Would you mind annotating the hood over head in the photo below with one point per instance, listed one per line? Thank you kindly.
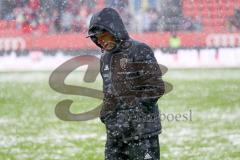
(109, 20)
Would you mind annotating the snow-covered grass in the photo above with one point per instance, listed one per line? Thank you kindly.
(29, 129)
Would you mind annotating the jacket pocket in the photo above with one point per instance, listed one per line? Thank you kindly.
(145, 122)
(118, 125)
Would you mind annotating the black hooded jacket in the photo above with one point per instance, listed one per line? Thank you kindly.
(132, 81)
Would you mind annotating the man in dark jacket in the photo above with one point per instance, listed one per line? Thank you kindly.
(132, 85)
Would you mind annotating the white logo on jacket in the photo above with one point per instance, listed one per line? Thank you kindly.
(106, 68)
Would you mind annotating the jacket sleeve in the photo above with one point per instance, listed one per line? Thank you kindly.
(145, 76)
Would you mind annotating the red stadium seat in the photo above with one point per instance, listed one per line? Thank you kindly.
(212, 12)
(3, 24)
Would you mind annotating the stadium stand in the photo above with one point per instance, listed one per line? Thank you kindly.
(73, 16)
(52, 22)
(213, 13)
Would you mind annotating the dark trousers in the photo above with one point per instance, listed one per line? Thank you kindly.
(141, 149)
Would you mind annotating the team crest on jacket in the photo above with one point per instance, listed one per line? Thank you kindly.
(123, 63)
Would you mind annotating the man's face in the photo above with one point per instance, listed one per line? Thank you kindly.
(106, 40)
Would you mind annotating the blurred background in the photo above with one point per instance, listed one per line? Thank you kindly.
(183, 33)
(198, 40)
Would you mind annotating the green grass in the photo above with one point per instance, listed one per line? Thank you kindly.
(29, 129)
